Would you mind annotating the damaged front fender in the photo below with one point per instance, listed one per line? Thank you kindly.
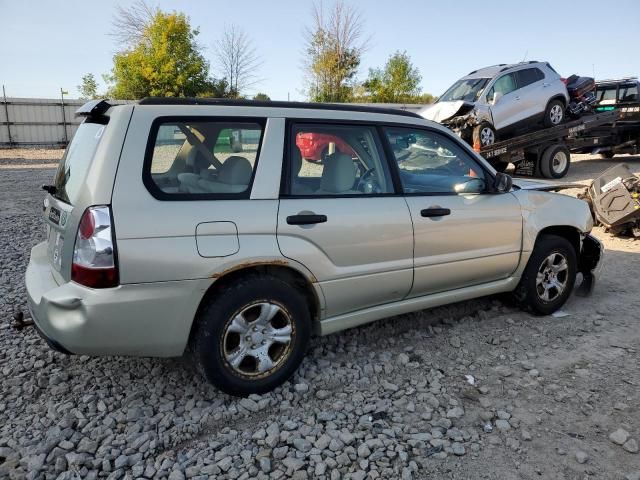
(589, 264)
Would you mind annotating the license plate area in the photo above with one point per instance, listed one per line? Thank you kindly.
(55, 244)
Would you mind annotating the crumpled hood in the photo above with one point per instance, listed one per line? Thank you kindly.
(441, 111)
(543, 185)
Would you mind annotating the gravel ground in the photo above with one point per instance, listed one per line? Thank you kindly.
(554, 398)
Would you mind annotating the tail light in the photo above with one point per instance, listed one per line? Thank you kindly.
(94, 254)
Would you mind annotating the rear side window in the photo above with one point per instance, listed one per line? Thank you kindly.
(199, 159)
(75, 163)
(528, 76)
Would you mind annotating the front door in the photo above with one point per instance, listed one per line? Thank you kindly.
(340, 216)
(463, 235)
(504, 99)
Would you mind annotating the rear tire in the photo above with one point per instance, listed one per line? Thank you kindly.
(252, 335)
(554, 114)
(555, 161)
(548, 279)
(608, 155)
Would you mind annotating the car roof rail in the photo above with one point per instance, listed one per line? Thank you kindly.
(275, 104)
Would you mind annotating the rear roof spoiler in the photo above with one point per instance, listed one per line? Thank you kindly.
(94, 108)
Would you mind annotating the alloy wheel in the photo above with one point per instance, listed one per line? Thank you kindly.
(556, 114)
(552, 277)
(258, 339)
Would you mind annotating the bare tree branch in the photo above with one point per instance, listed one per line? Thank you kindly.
(129, 23)
(237, 60)
(334, 46)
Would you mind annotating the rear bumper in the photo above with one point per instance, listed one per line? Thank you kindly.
(152, 319)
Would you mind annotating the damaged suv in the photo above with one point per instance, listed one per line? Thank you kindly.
(501, 100)
(163, 238)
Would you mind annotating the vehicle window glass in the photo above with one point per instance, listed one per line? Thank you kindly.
(76, 160)
(606, 95)
(336, 160)
(628, 93)
(504, 85)
(204, 158)
(468, 90)
(528, 76)
(430, 162)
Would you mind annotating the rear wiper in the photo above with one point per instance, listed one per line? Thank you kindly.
(50, 189)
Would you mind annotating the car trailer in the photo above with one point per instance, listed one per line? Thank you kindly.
(546, 152)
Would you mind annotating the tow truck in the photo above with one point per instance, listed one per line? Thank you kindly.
(546, 152)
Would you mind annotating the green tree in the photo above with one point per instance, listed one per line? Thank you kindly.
(397, 82)
(164, 61)
(89, 88)
(334, 47)
(262, 97)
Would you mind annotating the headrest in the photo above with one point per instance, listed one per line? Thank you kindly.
(339, 173)
(236, 171)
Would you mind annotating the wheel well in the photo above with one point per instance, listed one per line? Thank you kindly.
(558, 97)
(288, 274)
(570, 233)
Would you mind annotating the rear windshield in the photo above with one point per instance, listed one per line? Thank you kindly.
(468, 90)
(75, 162)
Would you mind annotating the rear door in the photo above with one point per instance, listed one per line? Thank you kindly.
(342, 219)
(532, 92)
(464, 235)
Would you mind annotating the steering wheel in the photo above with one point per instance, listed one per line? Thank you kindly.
(366, 184)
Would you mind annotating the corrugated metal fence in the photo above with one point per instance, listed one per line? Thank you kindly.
(37, 121)
(51, 122)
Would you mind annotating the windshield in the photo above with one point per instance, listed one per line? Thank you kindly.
(76, 160)
(468, 90)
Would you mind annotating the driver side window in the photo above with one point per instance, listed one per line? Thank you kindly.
(504, 85)
(336, 160)
(431, 163)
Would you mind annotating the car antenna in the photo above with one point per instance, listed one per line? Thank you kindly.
(525, 55)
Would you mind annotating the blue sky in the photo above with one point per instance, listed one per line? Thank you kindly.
(48, 44)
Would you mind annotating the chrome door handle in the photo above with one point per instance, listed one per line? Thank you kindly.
(517, 98)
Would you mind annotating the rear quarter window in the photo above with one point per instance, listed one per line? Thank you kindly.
(73, 166)
(202, 158)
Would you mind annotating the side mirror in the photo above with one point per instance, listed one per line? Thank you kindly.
(502, 183)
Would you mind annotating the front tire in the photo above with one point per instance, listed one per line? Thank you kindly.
(548, 279)
(484, 135)
(252, 335)
(608, 154)
(554, 114)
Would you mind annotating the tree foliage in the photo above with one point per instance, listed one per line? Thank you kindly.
(89, 88)
(237, 60)
(262, 97)
(164, 60)
(334, 47)
(398, 82)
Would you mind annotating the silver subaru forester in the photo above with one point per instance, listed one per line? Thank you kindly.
(214, 225)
